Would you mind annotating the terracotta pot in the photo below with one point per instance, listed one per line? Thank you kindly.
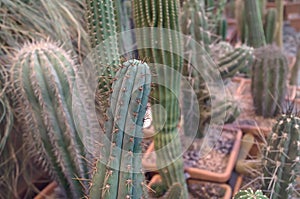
(238, 184)
(227, 195)
(47, 191)
(219, 177)
(149, 162)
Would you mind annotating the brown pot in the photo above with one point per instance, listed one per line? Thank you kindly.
(47, 191)
(238, 184)
(149, 162)
(203, 174)
(228, 192)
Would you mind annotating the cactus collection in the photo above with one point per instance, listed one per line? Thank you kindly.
(90, 140)
(269, 80)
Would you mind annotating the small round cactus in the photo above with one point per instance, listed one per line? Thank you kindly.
(250, 194)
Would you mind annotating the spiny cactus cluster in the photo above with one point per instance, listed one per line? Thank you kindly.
(269, 80)
(42, 80)
(118, 173)
(250, 194)
(281, 158)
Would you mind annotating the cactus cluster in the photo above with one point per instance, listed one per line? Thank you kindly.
(250, 194)
(118, 171)
(42, 80)
(281, 158)
(269, 80)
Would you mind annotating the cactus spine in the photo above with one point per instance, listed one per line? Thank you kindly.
(250, 194)
(118, 174)
(42, 81)
(281, 158)
(162, 18)
(254, 22)
(269, 76)
(270, 25)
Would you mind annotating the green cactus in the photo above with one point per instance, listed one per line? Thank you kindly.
(219, 49)
(281, 158)
(161, 18)
(238, 60)
(194, 23)
(269, 77)
(125, 18)
(102, 25)
(214, 13)
(255, 25)
(118, 171)
(42, 80)
(270, 25)
(250, 194)
(295, 69)
(175, 191)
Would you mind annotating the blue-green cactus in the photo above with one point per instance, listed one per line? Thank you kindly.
(118, 171)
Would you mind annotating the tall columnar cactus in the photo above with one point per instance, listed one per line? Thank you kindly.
(270, 25)
(269, 78)
(194, 23)
(279, 23)
(42, 80)
(295, 69)
(214, 12)
(118, 173)
(254, 22)
(161, 42)
(250, 194)
(102, 25)
(194, 26)
(281, 158)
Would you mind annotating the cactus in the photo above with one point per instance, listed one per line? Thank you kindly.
(42, 84)
(281, 158)
(125, 18)
(194, 23)
(162, 18)
(238, 60)
(214, 12)
(254, 22)
(270, 25)
(279, 23)
(250, 194)
(118, 172)
(102, 28)
(295, 69)
(269, 76)
(219, 49)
